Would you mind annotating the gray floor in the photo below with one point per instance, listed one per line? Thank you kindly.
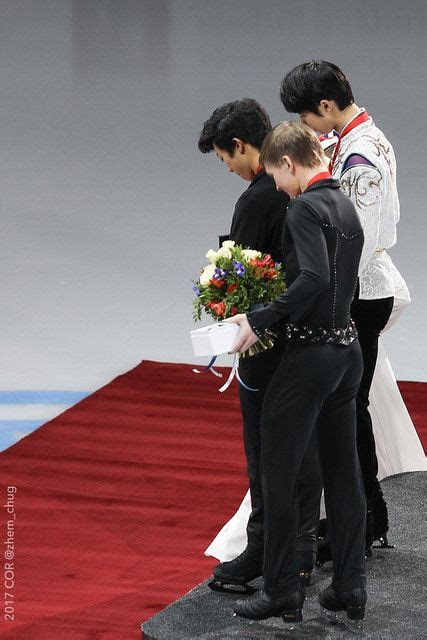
(395, 583)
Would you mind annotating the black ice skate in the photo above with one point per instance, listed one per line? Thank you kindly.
(234, 576)
(352, 602)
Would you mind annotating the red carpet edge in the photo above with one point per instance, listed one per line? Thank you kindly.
(118, 497)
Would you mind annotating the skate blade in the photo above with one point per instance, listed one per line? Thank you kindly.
(383, 544)
(230, 587)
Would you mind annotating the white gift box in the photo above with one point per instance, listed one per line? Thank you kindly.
(214, 339)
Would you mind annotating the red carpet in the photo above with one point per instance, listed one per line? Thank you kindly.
(117, 499)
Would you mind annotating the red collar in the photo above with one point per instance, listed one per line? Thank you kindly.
(323, 175)
(359, 119)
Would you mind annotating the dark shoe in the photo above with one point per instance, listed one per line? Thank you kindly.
(375, 532)
(383, 543)
(260, 607)
(237, 573)
(352, 601)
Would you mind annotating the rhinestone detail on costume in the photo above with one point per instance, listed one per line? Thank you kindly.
(319, 335)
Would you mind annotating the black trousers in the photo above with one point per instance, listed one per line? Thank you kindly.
(370, 316)
(256, 372)
(313, 389)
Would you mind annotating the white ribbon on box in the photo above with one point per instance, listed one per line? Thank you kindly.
(214, 340)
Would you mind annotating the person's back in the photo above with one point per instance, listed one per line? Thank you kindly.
(312, 393)
(320, 283)
(340, 224)
(366, 168)
(364, 163)
(259, 216)
(235, 132)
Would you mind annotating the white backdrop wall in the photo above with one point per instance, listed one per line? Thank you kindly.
(108, 207)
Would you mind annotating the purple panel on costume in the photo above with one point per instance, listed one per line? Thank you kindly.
(355, 159)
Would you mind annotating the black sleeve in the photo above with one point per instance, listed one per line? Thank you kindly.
(312, 256)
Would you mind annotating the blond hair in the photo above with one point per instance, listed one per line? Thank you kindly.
(295, 140)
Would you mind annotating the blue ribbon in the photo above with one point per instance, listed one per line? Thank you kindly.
(234, 372)
(207, 368)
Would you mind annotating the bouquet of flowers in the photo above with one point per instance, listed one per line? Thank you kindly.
(237, 280)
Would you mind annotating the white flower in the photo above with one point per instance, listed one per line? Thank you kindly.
(212, 256)
(228, 244)
(224, 252)
(207, 274)
(251, 254)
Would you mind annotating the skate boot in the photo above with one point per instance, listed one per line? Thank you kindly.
(260, 607)
(352, 602)
(234, 576)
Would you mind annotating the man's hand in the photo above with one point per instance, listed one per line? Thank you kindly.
(246, 337)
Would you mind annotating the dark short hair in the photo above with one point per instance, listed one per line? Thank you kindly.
(306, 85)
(244, 119)
(295, 140)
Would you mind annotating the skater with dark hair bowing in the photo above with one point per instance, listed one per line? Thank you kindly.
(235, 132)
(315, 385)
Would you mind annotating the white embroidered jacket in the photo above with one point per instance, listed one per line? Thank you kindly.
(372, 188)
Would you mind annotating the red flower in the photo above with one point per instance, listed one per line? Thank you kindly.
(270, 274)
(233, 311)
(267, 261)
(217, 283)
(218, 308)
(231, 288)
